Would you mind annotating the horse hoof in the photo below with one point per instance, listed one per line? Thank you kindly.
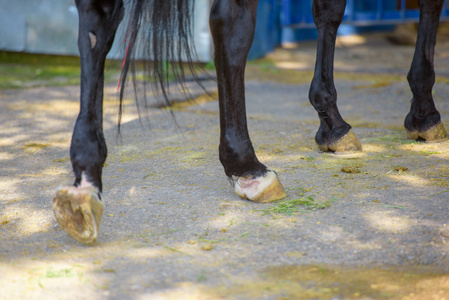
(346, 144)
(78, 211)
(261, 189)
(434, 134)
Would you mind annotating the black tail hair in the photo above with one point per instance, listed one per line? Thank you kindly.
(160, 32)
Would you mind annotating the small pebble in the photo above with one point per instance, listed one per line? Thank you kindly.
(207, 247)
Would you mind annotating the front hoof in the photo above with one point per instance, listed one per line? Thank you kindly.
(261, 189)
(78, 211)
(346, 144)
(434, 134)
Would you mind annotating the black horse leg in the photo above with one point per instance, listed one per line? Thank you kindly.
(424, 121)
(334, 133)
(232, 24)
(78, 209)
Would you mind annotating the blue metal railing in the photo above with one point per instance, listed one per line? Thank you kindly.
(298, 13)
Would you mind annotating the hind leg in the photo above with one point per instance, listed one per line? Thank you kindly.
(334, 133)
(78, 208)
(232, 25)
(424, 121)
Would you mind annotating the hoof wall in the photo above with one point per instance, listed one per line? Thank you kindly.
(346, 144)
(262, 189)
(78, 211)
(434, 134)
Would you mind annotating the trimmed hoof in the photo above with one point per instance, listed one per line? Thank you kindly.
(434, 134)
(262, 189)
(78, 211)
(347, 143)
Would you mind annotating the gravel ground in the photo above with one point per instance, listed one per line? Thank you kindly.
(173, 228)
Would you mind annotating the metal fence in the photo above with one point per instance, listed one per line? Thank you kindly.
(297, 13)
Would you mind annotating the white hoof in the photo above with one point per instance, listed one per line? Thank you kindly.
(263, 189)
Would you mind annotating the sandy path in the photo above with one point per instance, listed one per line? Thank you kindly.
(173, 229)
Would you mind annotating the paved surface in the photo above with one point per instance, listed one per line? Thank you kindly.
(173, 229)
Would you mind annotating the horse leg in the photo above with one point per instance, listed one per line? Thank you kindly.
(232, 24)
(334, 133)
(78, 208)
(424, 121)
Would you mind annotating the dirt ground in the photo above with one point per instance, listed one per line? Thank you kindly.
(367, 226)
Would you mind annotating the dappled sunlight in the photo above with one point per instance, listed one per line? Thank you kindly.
(48, 172)
(373, 148)
(28, 222)
(143, 253)
(9, 190)
(53, 113)
(350, 40)
(62, 107)
(132, 265)
(435, 149)
(357, 246)
(126, 117)
(290, 65)
(35, 278)
(332, 234)
(266, 157)
(6, 156)
(231, 214)
(410, 179)
(174, 229)
(190, 248)
(271, 153)
(96, 270)
(23, 211)
(60, 140)
(387, 221)
(185, 291)
(13, 140)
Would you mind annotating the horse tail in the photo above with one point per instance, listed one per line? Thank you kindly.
(160, 32)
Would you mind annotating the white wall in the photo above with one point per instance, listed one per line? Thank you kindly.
(51, 27)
